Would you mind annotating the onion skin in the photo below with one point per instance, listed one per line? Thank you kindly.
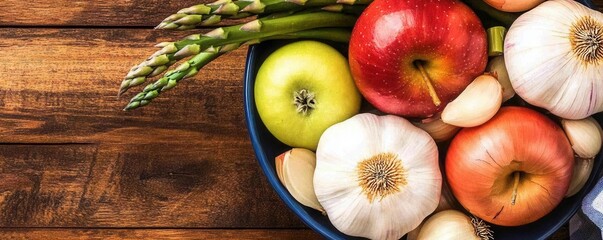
(482, 161)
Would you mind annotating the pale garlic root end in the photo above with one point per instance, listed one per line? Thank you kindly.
(482, 229)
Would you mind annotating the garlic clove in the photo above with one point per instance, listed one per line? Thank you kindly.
(278, 164)
(498, 69)
(585, 136)
(298, 176)
(476, 104)
(582, 169)
(438, 130)
(452, 225)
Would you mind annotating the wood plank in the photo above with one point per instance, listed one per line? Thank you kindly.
(216, 184)
(60, 85)
(125, 13)
(184, 161)
(135, 234)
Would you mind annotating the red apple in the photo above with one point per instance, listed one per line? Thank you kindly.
(513, 169)
(412, 57)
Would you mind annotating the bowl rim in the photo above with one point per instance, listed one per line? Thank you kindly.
(273, 179)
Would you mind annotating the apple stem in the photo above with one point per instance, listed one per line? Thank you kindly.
(515, 185)
(427, 81)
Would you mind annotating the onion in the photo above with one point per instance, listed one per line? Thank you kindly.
(553, 54)
(511, 170)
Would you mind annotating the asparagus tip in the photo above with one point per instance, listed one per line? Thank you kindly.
(121, 91)
(132, 105)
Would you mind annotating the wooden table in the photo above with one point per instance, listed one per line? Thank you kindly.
(72, 164)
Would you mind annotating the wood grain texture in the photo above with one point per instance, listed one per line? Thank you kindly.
(143, 186)
(116, 13)
(123, 13)
(70, 157)
(136, 234)
(63, 87)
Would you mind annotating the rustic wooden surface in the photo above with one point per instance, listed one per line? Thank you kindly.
(73, 165)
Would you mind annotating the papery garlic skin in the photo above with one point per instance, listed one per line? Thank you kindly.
(438, 130)
(497, 68)
(343, 152)
(295, 169)
(585, 136)
(451, 225)
(446, 202)
(549, 66)
(414, 234)
(476, 104)
(582, 169)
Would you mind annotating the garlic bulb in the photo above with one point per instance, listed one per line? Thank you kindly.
(377, 176)
(295, 169)
(582, 169)
(554, 54)
(585, 136)
(453, 225)
(438, 130)
(476, 104)
(497, 68)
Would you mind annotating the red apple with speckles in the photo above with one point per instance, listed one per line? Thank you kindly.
(412, 57)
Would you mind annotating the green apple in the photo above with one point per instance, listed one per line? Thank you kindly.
(302, 89)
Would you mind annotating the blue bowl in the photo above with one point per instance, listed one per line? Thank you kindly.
(267, 147)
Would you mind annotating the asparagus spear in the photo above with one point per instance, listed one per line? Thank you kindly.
(257, 29)
(171, 78)
(213, 13)
(192, 66)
